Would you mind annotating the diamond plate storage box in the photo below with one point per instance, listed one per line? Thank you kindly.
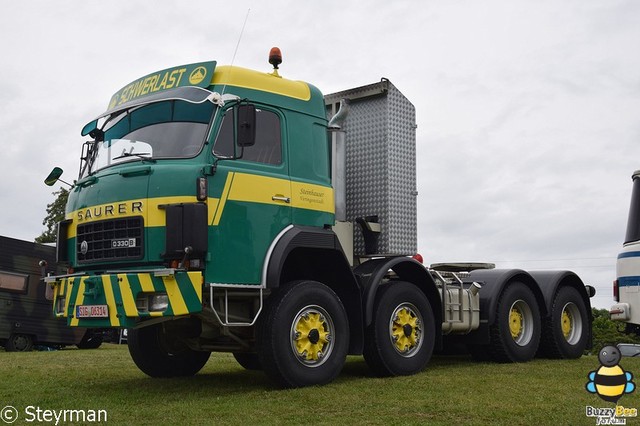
(380, 164)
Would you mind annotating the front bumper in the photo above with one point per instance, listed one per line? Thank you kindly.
(123, 298)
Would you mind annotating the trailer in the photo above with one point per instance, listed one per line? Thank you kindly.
(26, 319)
(219, 208)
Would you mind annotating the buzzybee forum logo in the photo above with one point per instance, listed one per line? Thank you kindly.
(610, 382)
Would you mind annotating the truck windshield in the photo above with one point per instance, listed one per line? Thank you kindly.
(633, 223)
(169, 129)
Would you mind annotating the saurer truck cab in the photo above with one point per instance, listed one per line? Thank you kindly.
(217, 209)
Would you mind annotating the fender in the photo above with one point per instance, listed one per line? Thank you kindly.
(295, 237)
(550, 282)
(493, 282)
(372, 272)
(301, 252)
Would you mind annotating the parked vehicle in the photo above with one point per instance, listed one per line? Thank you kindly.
(26, 319)
(626, 287)
(215, 211)
(628, 349)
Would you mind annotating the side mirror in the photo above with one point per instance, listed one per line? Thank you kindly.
(53, 176)
(246, 125)
(89, 127)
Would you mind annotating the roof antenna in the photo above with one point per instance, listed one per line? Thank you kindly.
(224, 87)
(235, 52)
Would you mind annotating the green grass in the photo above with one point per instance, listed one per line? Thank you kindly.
(451, 391)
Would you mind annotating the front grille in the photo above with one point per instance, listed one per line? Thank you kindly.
(107, 240)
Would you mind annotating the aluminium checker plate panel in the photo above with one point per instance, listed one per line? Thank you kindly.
(380, 164)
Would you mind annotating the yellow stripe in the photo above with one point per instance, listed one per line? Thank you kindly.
(237, 187)
(212, 207)
(250, 79)
(111, 301)
(79, 301)
(146, 283)
(196, 279)
(259, 189)
(223, 199)
(127, 297)
(175, 296)
(148, 208)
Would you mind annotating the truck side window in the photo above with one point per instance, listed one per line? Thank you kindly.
(268, 146)
(13, 282)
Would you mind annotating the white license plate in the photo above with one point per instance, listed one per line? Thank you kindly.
(92, 311)
(123, 243)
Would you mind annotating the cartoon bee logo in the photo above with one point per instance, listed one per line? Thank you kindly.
(610, 381)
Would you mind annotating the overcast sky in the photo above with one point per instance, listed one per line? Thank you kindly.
(527, 111)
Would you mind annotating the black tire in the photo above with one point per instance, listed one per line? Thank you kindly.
(90, 340)
(566, 330)
(158, 356)
(19, 343)
(515, 333)
(401, 338)
(249, 361)
(303, 337)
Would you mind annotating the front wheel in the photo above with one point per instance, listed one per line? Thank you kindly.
(303, 337)
(401, 338)
(157, 355)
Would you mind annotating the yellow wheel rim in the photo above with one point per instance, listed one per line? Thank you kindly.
(571, 323)
(515, 323)
(405, 329)
(312, 336)
(521, 323)
(567, 324)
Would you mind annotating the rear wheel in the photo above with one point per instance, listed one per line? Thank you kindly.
(401, 338)
(303, 337)
(515, 333)
(19, 343)
(566, 331)
(159, 356)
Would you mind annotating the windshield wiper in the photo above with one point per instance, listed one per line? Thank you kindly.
(140, 155)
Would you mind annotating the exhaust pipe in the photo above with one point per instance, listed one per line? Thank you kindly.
(339, 160)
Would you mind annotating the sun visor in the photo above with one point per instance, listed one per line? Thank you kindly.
(185, 82)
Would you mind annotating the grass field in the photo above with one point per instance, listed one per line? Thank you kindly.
(451, 391)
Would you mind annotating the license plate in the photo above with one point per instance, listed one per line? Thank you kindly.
(123, 243)
(92, 311)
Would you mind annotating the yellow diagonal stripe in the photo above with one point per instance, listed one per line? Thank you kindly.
(223, 198)
(111, 301)
(130, 309)
(175, 296)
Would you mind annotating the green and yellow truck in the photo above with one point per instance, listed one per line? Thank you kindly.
(218, 208)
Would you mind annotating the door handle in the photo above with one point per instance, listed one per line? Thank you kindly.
(281, 198)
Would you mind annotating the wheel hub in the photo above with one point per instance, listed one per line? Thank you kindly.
(567, 324)
(406, 329)
(515, 323)
(311, 339)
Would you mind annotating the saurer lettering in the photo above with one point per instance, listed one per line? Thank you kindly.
(109, 210)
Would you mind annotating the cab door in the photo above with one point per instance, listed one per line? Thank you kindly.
(250, 197)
